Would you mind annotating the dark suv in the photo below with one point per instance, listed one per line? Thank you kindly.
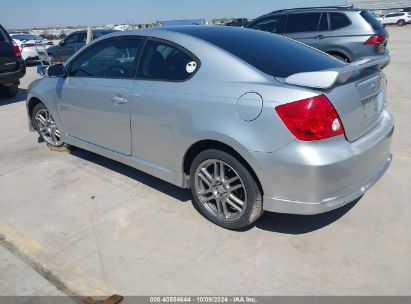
(12, 66)
(346, 33)
(72, 43)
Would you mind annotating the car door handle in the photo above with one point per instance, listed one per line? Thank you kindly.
(118, 100)
(319, 37)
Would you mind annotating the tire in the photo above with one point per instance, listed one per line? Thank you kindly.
(401, 22)
(9, 91)
(218, 204)
(51, 133)
(340, 57)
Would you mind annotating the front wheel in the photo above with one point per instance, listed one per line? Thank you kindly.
(45, 125)
(224, 190)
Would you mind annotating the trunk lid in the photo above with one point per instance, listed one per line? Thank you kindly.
(359, 102)
(357, 91)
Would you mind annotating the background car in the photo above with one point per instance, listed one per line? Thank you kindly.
(248, 120)
(239, 22)
(27, 44)
(399, 19)
(72, 43)
(12, 66)
(346, 33)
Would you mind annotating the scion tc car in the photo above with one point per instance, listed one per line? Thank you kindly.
(248, 120)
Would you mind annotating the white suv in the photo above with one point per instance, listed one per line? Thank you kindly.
(399, 19)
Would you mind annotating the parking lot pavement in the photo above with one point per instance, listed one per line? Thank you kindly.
(16, 277)
(101, 227)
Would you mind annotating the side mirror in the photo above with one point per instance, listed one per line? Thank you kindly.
(61, 43)
(56, 71)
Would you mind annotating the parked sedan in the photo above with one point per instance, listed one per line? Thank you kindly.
(72, 43)
(250, 121)
(28, 43)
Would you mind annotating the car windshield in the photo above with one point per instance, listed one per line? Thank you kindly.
(26, 37)
(272, 54)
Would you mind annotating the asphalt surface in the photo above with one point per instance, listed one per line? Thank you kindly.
(92, 226)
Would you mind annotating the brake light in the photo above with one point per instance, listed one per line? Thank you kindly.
(50, 43)
(16, 49)
(311, 119)
(375, 39)
(27, 45)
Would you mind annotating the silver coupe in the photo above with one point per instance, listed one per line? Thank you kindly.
(250, 121)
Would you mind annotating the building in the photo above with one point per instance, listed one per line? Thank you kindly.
(381, 7)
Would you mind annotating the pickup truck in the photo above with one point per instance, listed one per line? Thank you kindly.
(12, 66)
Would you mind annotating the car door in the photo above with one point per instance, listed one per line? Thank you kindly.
(304, 27)
(390, 18)
(93, 102)
(157, 112)
(69, 45)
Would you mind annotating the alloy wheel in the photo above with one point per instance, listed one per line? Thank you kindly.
(47, 127)
(220, 189)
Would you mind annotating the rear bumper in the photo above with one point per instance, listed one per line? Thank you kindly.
(316, 177)
(14, 76)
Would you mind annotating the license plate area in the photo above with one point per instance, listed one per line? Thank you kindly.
(372, 98)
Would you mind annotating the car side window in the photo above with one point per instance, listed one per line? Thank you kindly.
(338, 20)
(114, 58)
(272, 24)
(162, 61)
(305, 22)
(73, 38)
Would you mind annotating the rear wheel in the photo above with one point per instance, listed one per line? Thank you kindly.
(401, 22)
(340, 57)
(45, 125)
(224, 190)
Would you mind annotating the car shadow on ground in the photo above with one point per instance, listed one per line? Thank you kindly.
(274, 222)
(21, 96)
(177, 193)
(301, 224)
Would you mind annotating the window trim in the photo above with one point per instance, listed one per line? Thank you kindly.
(175, 45)
(128, 37)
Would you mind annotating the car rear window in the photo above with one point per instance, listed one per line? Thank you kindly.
(2, 34)
(376, 25)
(272, 54)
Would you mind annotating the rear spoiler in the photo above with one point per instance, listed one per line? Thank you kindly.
(328, 78)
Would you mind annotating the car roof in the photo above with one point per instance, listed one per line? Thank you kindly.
(319, 9)
(97, 31)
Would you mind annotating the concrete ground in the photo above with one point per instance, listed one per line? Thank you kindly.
(92, 226)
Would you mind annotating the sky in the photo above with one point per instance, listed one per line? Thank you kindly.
(43, 13)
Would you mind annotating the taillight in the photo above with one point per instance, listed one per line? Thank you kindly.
(16, 49)
(375, 39)
(27, 45)
(50, 43)
(311, 119)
